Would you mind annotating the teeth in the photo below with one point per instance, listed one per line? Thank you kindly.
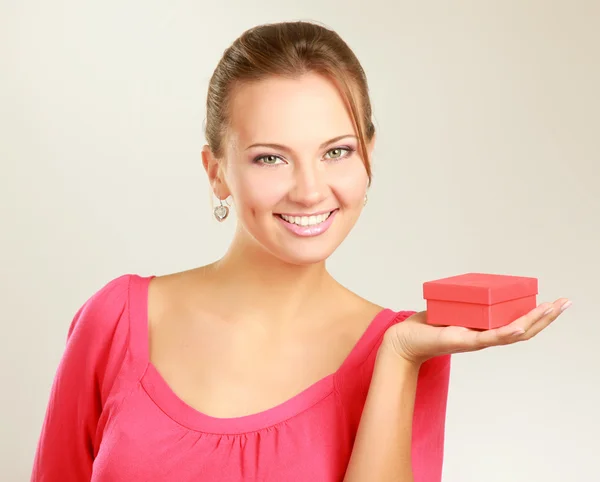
(306, 220)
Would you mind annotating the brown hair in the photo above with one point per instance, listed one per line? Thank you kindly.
(289, 49)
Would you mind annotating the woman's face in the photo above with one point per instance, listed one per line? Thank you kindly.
(292, 167)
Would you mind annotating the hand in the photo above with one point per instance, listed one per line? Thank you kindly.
(416, 341)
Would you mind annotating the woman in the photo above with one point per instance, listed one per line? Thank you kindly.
(261, 366)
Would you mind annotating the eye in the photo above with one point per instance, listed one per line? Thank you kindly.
(339, 152)
(269, 160)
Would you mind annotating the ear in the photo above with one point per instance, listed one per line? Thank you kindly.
(214, 171)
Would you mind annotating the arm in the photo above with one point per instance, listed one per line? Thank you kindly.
(66, 447)
(382, 449)
(386, 441)
(422, 405)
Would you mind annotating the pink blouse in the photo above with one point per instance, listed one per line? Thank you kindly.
(112, 417)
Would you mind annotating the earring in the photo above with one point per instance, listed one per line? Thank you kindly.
(221, 211)
(366, 200)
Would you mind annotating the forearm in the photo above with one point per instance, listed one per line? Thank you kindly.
(382, 449)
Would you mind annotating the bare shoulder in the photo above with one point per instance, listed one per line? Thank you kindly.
(172, 291)
(357, 309)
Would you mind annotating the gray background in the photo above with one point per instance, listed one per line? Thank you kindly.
(487, 160)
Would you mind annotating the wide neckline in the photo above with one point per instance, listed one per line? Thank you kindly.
(184, 414)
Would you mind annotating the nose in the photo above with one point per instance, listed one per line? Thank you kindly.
(309, 186)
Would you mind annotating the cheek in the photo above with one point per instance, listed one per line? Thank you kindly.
(255, 190)
(349, 182)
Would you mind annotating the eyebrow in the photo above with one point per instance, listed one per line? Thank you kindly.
(281, 147)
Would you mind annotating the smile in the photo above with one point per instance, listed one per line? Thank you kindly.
(312, 220)
(306, 226)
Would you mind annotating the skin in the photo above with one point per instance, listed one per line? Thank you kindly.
(288, 311)
(238, 329)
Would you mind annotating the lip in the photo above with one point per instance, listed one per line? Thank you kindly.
(309, 231)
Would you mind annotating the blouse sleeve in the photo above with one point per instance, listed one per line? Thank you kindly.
(87, 369)
(429, 420)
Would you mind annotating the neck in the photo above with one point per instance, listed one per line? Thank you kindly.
(267, 287)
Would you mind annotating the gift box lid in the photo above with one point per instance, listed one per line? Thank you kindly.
(480, 288)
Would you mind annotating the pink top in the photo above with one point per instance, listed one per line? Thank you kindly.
(112, 417)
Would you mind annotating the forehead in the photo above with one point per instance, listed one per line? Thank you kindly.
(299, 112)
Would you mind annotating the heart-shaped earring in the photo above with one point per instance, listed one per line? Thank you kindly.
(221, 212)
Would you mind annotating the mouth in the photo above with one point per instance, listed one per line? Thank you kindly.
(309, 225)
(306, 221)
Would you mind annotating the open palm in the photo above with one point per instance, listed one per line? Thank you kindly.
(417, 341)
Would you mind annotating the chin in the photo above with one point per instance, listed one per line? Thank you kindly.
(306, 251)
(302, 251)
(303, 257)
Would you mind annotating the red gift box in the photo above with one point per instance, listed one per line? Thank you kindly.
(479, 301)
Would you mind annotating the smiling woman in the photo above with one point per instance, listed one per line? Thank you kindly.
(260, 366)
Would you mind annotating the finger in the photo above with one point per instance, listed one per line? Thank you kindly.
(514, 331)
(559, 307)
(524, 323)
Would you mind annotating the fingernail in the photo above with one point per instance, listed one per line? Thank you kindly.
(565, 306)
(548, 311)
(518, 331)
